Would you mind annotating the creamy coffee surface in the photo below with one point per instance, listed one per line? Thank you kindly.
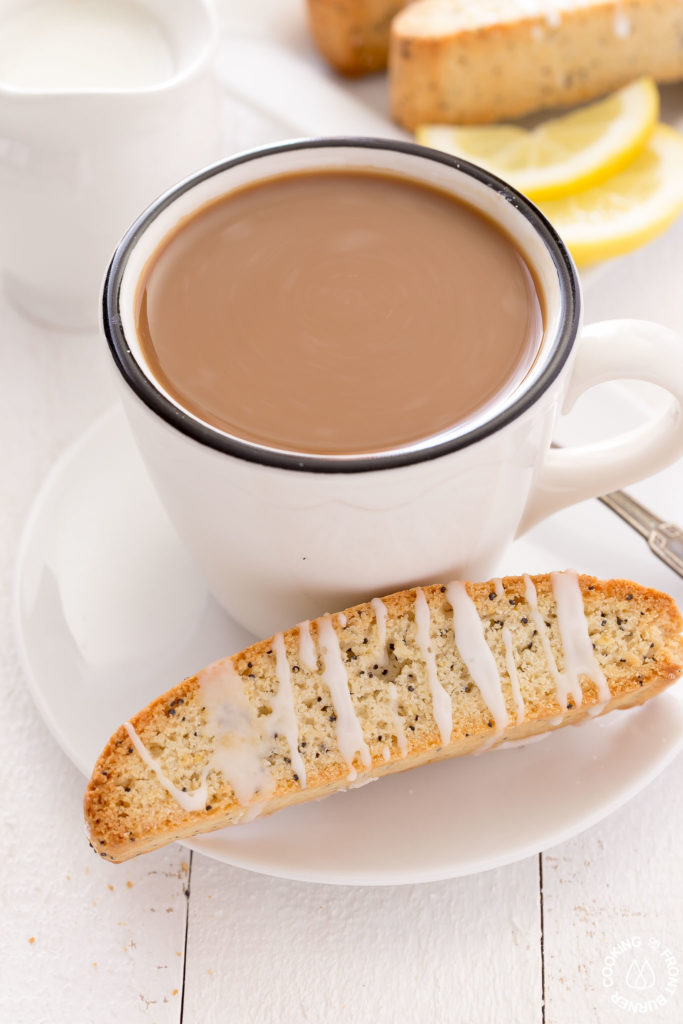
(337, 313)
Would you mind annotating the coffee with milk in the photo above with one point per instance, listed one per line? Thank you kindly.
(338, 312)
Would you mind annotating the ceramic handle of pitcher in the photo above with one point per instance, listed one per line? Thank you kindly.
(614, 350)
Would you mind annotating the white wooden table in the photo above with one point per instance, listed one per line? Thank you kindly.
(174, 937)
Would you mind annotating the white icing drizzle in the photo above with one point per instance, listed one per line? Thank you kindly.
(380, 610)
(386, 753)
(251, 813)
(490, 12)
(475, 652)
(536, 738)
(398, 723)
(622, 25)
(527, 6)
(563, 686)
(487, 744)
(307, 647)
(349, 732)
(550, 10)
(441, 702)
(510, 660)
(579, 659)
(241, 738)
(512, 674)
(284, 716)
(362, 781)
(195, 800)
(341, 619)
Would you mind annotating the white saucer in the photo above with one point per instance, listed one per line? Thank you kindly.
(110, 613)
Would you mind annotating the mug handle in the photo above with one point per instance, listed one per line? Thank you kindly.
(614, 350)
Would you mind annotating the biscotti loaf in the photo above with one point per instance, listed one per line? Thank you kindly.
(424, 674)
(456, 62)
(353, 35)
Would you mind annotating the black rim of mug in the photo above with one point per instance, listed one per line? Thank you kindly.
(156, 401)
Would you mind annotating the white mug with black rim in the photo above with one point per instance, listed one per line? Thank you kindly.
(280, 535)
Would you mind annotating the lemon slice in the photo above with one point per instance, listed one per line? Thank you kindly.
(562, 155)
(629, 208)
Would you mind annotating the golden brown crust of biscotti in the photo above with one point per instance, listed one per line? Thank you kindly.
(457, 63)
(636, 637)
(353, 35)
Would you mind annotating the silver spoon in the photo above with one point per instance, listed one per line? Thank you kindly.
(665, 539)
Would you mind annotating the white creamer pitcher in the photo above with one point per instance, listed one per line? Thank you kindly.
(96, 120)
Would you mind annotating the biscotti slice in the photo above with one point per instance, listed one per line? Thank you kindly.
(424, 674)
(454, 62)
(353, 35)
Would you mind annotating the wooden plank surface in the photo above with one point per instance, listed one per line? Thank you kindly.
(273, 951)
(612, 898)
(77, 935)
